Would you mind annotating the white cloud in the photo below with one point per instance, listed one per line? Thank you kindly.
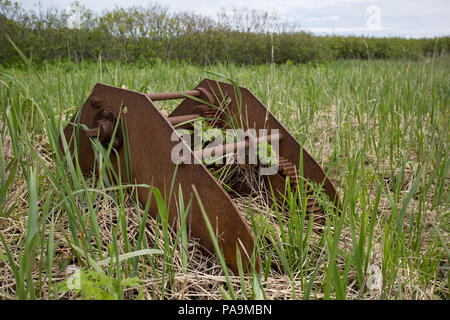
(318, 4)
(349, 30)
(322, 19)
(415, 18)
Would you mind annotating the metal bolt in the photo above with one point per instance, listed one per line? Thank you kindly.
(105, 113)
(95, 102)
(106, 130)
(116, 143)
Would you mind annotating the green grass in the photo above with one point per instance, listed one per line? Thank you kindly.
(379, 128)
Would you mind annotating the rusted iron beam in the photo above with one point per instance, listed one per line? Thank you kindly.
(181, 119)
(159, 96)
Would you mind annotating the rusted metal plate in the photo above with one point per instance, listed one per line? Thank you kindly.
(150, 149)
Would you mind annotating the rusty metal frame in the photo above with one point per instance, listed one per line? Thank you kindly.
(149, 143)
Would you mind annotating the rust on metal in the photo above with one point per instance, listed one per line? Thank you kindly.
(150, 146)
(255, 115)
(95, 101)
(173, 95)
(233, 147)
(104, 122)
(181, 119)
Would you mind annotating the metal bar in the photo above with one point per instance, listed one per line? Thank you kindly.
(92, 132)
(180, 119)
(158, 96)
(210, 152)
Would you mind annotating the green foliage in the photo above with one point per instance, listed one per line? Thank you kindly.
(90, 284)
(266, 154)
(152, 34)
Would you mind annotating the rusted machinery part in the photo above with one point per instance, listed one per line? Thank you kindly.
(212, 114)
(278, 183)
(205, 111)
(105, 122)
(255, 115)
(150, 148)
(201, 93)
(159, 96)
(182, 119)
(149, 135)
(233, 147)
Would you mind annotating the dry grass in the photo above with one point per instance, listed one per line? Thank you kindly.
(204, 278)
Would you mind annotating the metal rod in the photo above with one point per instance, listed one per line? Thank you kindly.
(92, 132)
(210, 152)
(158, 96)
(185, 118)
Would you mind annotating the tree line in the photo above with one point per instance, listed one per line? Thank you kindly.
(154, 33)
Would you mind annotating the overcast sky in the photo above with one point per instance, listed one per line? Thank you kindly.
(406, 18)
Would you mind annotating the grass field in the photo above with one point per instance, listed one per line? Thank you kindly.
(379, 128)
